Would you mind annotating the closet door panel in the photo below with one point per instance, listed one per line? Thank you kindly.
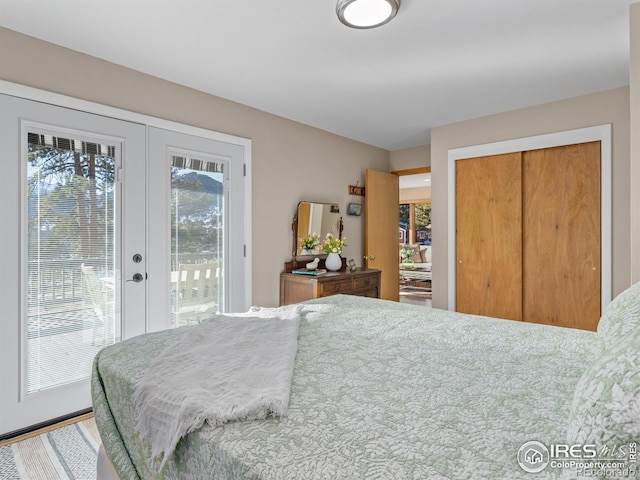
(561, 236)
(489, 236)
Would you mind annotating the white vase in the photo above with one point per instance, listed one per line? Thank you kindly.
(333, 262)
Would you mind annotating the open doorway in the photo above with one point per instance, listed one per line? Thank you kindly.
(415, 236)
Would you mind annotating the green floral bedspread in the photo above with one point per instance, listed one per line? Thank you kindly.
(381, 390)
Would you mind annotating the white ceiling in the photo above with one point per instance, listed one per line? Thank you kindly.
(437, 62)
(419, 180)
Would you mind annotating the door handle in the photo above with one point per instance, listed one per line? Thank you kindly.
(370, 258)
(137, 278)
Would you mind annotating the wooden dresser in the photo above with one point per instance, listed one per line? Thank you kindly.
(297, 288)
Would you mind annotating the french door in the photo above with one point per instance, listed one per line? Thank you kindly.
(98, 216)
(196, 226)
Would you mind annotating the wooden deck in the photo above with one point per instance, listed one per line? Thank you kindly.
(62, 340)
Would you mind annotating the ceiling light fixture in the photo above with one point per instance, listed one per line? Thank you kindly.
(366, 13)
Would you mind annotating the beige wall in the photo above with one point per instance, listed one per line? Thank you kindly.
(634, 87)
(611, 106)
(408, 158)
(416, 193)
(291, 161)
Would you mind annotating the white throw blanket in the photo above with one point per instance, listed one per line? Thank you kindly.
(230, 367)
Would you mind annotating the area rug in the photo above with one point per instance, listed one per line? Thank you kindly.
(67, 453)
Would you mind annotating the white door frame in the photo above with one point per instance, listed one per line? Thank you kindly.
(601, 133)
(30, 93)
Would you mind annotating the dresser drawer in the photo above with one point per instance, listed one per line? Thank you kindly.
(364, 282)
(338, 286)
(372, 293)
(298, 288)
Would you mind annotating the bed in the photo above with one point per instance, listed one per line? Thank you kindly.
(383, 390)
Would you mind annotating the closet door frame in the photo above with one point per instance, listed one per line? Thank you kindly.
(601, 133)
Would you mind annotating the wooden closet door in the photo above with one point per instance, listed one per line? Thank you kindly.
(561, 239)
(489, 236)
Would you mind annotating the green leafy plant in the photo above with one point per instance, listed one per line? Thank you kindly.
(311, 242)
(332, 244)
(406, 253)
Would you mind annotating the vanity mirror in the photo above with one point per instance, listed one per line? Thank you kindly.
(318, 218)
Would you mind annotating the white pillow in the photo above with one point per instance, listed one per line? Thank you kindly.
(621, 318)
(285, 312)
(425, 252)
(606, 401)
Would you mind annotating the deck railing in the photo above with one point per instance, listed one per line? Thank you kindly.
(52, 282)
(193, 258)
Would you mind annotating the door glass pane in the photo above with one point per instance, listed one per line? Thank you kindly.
(197, 239)
(71, 231)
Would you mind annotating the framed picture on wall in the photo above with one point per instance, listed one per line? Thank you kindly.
(355, 209)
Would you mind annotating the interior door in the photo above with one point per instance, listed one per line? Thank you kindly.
(528, 230)
(561, 269)
(381, 230)
(489, 236)
(67, 253)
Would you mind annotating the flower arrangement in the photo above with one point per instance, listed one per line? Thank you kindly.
(310, 243)
(332, 244)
